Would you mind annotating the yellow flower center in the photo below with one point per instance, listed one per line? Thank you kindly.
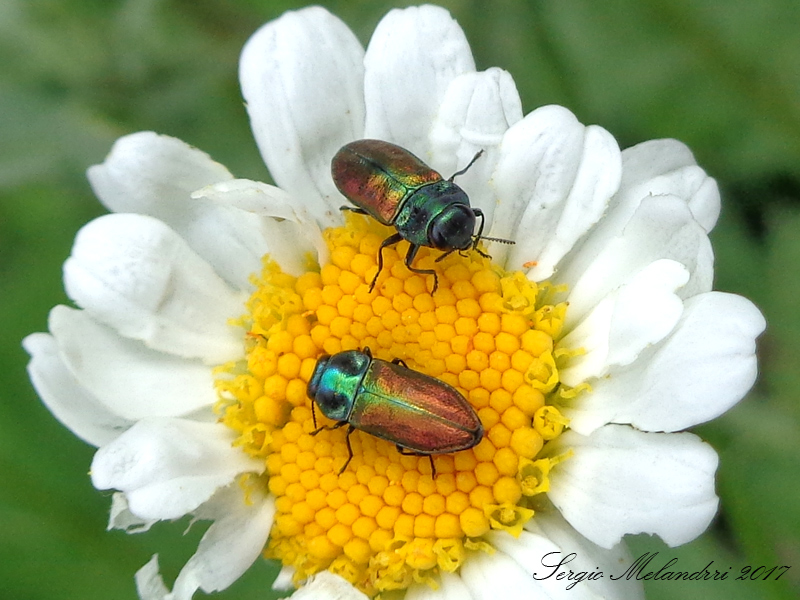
(384, 522)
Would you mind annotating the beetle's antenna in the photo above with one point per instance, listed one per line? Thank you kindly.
(465, 169)
(502, 241)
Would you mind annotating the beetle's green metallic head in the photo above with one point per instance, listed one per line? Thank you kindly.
(452, 228)
(439, 216)
(334, 383)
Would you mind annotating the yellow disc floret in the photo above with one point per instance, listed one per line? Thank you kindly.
(385, 522)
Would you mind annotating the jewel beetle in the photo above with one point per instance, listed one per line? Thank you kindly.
(396, 188)
(419, 414)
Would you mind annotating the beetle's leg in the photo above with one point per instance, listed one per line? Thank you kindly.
(477, 238)
(461, 253)
(350, 430)
(329, 427)
(390, 241)
(360, 211)
(401, 362)
(407, 452)
(446, 254)
(465, 169)
(412, 252)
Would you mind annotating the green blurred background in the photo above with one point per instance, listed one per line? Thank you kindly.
(722, 76)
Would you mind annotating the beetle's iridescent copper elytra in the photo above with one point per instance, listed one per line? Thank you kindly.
(396, 188)
(418, 413)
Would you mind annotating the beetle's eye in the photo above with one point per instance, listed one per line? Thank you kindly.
(452, 229)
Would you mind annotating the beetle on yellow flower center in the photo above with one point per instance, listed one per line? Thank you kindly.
(396, 188)
(420, 414)
(385, 521)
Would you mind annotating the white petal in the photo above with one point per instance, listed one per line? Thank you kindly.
(476, 111)
(129, 379)
(695, 375)
(327, 586)
(233, 542)
(590, 557)
(291, 234)
(154, 175)
(661, 228)
(535, 555)
(169, 467)
(411, 59)
(149, 584)
(137, 275)
(553, 182)
(255, 197)
(661, 167)
(637, 315)
(70, 403)
(122, 518)
(302, 79)
(284, 579)
(451, 587)
(620, 481)
(482, 573)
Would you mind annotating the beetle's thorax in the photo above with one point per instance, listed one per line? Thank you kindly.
(335, 382)
(425, 206)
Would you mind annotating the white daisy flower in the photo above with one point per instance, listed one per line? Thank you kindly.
(585, 348)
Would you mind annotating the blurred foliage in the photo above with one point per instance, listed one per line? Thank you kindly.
(77, 74)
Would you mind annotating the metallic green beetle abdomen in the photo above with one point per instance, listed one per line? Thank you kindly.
(378, 176)
(415, 411)
(390, 401)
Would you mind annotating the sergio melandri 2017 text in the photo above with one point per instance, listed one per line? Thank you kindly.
(556, 563)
